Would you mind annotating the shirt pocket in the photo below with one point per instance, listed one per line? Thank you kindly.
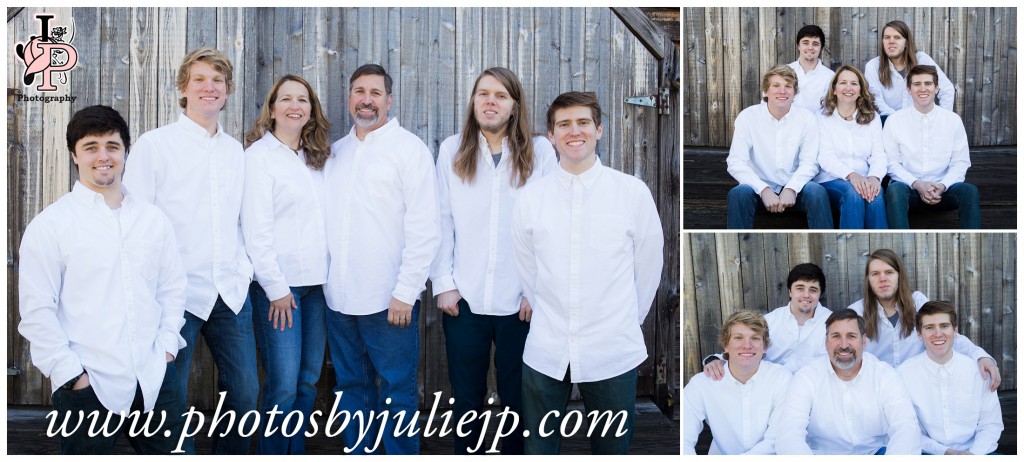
(144, 258)
(381, 180)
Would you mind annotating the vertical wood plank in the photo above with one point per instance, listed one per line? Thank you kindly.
(691, 346)
(707, 291)
(750, 59)
(695, 73)
(143, 94)
(231, 41)
(202, 28)
(991, 297)
(957, 61)
(752, 263)
(730, 285)
(469, 52)
(732, 51)
(776, 253)
(1008, 308)
(57, 164)
(716, 78)
(170, 49)
(522, 46)
(970, 285)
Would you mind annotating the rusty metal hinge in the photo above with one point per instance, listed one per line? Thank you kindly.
(660, 101)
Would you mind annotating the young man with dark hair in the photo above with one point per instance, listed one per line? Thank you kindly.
(194, 172)
(102, 292)
(775, 175)
(849, 402)
(479, 174)
(957, 411)
(588, 245)
(797, 328)
(928, 157)
(382, 235)
(814, 77)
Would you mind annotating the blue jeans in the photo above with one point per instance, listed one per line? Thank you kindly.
(543, 395)
(743, 202)
(854, 211)
(233, 346)
(364, 349)
(901, 198)
(292, 360)
(468, 338)
(169, 402)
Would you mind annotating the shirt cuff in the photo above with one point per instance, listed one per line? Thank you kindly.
(65, 371)
(276, 290)
(406, 294)
(442, 284)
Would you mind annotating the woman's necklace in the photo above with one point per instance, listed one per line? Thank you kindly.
(847, 118)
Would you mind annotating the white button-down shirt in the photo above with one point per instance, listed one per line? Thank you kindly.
(813, 85)
(476, 250)
(954, 405)
(197, 180)
(847, 147)
(794, 346)
(824, 414)
(743, 416)
(282, 218)
(589, 254)
(766, 152)
(382, 225)
(896, 97)
(104, 293)
(930, 147)
(894, 350)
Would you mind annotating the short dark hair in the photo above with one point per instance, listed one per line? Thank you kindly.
(574, 98)
(935, 307)
(96, 120)
(843, 314)
(372, 69)
(806, 272)
(923, 69)
(811, 30)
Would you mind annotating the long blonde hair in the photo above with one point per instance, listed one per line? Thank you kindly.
(313, 139)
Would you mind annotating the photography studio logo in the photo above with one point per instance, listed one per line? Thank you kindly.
(47, 54)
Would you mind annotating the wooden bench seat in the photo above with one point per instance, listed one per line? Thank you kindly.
(706, 183)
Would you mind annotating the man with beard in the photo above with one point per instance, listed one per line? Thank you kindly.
(849, 402)
(798, 329)
(479, 174)
(382, 234)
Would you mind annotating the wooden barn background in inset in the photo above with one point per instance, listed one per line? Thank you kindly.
(128, 59)
(727, 272)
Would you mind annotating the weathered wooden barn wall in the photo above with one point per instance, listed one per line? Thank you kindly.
(128, 58)
(727, 50)
(726, 272)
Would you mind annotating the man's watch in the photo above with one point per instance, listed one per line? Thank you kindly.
(71, 383)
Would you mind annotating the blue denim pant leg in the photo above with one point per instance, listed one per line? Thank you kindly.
(965, 197)
(363, 349)
(233, 346)
(541, 395)
(355, 391)
(614, 400)
(843, 196)
(741, 204)
(395, 354)
(292, 360)
(68, 404)
(183, 364)
(468, 340)
(171, 404)
(899, 199)
(813, 200)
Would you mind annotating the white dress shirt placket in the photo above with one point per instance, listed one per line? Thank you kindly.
(215, 197)
(492, 237)
(346, 213)
(122, 221)
(944, 398)
(575, 245)
(780, 144)
(850, 405)
(745, 405)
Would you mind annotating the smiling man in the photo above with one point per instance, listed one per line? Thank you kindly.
(797, 328)
(588, 248)
(382, 235)
(743, 409)
(194, 171)
(773, 156)
(102, 293)
(928, 157)
(849, 402)
(814, 77)
(957, 411)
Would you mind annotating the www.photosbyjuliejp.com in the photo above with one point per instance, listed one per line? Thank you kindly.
(439, 424)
